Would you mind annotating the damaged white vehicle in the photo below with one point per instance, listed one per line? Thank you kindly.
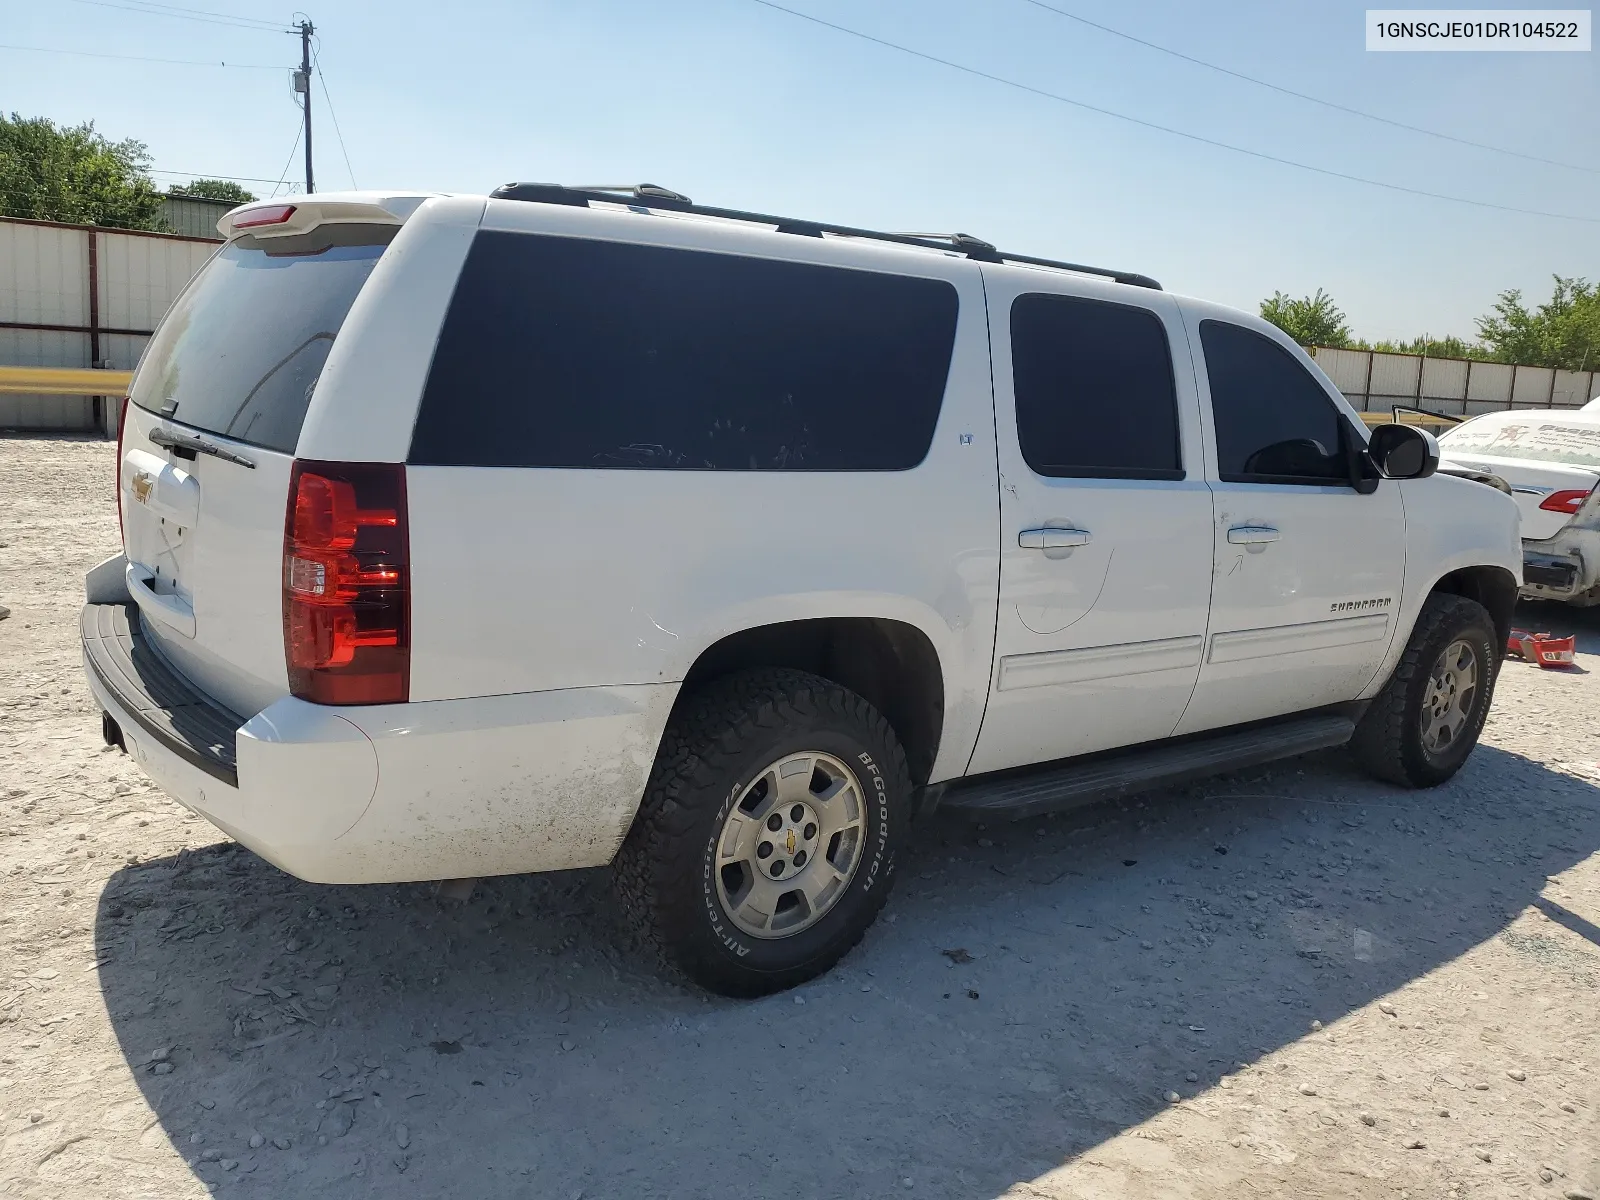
(1551, 460)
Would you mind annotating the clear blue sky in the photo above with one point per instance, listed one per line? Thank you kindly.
(745, 107)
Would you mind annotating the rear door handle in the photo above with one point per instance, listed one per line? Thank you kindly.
(1251, 535)
(1052, 539)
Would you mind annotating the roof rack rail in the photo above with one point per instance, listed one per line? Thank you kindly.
(649, 195)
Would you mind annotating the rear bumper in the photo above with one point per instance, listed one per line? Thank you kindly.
(167, 710)
(388, 793)
(1545, 575)
(1565, 567)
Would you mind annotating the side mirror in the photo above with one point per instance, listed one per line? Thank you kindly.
(1403, 452)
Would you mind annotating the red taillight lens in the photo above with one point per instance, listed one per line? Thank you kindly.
(1568, 501)
(275, 214)
(346, 610)
(122, 424)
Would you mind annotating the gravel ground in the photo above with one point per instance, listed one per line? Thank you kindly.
(1286, 982)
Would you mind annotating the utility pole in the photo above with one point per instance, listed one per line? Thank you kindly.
(302, 84)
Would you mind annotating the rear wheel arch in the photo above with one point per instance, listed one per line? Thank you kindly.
(723, 809)
(891, 664)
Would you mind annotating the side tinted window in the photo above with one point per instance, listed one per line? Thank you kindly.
(560, 352)
(1274, 422)
(1094, 389)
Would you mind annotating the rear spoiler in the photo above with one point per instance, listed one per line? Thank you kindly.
(292, 215)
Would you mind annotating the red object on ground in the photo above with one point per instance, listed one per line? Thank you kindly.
(1549, 652)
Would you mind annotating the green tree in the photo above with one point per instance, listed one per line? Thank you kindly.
(1432, 347)
(1311, 321)
(73, 174)
(1562, 332)
(213, 189)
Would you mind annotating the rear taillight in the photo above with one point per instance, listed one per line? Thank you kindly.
(122, 424)
(1568, 501)
(346, 604)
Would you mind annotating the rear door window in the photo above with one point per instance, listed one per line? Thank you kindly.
(242, 349)
(1094, 389)
(1274, 422)
(564, 352)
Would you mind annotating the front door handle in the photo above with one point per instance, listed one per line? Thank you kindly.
(1052, 539)
(1252, 535)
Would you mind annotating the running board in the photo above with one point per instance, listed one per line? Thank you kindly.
(1070, 784)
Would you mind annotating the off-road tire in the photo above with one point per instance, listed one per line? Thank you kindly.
(1388, 740)
(718, 739)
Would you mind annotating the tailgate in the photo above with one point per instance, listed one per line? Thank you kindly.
(208, 445)
(204, 542)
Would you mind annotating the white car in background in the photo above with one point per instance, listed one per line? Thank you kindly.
(1551, 460)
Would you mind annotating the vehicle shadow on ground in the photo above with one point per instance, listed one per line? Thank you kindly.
(378, 1041)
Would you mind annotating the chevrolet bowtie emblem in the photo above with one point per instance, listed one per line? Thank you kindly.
(790, 841)
(143, 484)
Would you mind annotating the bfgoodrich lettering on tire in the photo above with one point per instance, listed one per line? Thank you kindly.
(764, 847)
(1427, 719)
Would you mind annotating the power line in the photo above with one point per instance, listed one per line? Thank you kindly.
(339, 133)
(188, 14)
(1344, 108)
(176, 62)
(151, 8)
(1193, 137)
(206, 12)
(216, 175)
(284, 174)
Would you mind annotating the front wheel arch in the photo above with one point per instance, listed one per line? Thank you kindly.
(1493, 587)
(1389, 739)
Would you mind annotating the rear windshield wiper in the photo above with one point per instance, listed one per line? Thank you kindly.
(185, 446)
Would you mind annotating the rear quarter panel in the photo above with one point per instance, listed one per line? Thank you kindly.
(366, 399)
(535, 579)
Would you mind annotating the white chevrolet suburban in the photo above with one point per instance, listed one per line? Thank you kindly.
(559, 528)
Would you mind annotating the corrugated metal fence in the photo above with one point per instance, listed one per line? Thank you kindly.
(72, 296)
(194, 216)
(1457, 387)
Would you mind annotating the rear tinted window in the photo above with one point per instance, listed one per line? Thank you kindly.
(241, 350)
(560, 352)
(1094, 389)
